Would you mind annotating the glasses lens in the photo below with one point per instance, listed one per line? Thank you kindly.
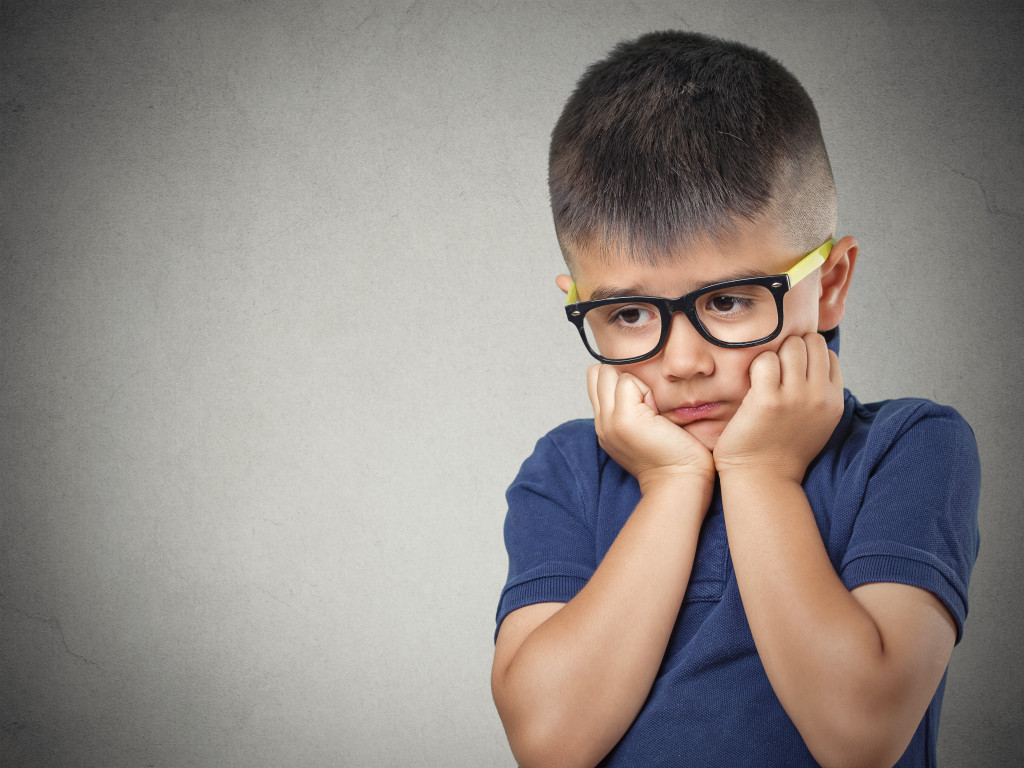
(738, 314)
(623, 330)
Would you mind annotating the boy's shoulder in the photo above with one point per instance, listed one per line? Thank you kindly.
(571, 448)
(570, 440)
(905, 408)
(901, 420)
(572, 432)
(900, 449)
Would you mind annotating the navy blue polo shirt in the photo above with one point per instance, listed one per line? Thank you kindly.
(895, 497)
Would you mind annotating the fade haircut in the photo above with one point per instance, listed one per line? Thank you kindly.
(677, 138)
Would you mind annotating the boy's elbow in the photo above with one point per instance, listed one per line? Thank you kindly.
(544, 730)
(541, 738)
(853, 755)
(535, 749)
(844, 741)
(545, 740)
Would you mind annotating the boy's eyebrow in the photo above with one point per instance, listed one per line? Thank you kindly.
(611, 291)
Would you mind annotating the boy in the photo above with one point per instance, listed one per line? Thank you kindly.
(735, 563)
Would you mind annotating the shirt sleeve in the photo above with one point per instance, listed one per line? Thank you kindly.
(549, 540)
(918, 522)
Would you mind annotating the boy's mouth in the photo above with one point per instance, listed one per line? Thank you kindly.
(685, 414)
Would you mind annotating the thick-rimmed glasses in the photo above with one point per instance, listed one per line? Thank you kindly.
(733, 314)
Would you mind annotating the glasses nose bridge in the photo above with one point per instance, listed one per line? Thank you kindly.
(685, 348)
(684, 305)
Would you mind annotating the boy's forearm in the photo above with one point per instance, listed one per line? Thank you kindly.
(577, 682)
(821, 649)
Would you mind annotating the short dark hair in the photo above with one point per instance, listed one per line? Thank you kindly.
(677, 137)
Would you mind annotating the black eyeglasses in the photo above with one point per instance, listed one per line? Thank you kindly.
(733, 314)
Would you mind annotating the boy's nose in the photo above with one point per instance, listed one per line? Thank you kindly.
(686, 352)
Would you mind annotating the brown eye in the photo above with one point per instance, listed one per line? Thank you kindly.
(724, 303)
(734, 303)
(633, 315)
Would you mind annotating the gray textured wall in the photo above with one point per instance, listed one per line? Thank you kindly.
(254, 432)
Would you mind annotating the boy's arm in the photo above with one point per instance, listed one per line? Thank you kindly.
(568, 680)
(855, 671)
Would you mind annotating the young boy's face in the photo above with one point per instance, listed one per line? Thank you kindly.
(696, 384)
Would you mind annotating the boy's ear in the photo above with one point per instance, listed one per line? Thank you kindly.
(836, 276)
(564, 282)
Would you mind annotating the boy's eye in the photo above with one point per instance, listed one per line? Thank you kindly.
(725, 303)
(633, 315)
(735, 302)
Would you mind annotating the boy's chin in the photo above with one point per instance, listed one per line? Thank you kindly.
(707, 431)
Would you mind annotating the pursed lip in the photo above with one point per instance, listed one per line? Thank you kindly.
(690, 412)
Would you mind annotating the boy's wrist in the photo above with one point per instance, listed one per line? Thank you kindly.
(782, 463)
(677, 481)
(763, 477)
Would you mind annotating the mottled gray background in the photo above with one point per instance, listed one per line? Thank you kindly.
(279, 326)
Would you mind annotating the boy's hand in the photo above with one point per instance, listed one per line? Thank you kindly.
(646, 444)
(794, 403)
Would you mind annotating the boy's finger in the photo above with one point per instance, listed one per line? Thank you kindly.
(818, 361)
(633, 389)
(650, 402)
(793, 360)
(765, 371)
(592, 372)
(835, 373)
(607, 378)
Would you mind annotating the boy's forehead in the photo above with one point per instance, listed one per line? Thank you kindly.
(612, 272)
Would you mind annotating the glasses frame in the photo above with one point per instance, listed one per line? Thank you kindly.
(778, 285)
